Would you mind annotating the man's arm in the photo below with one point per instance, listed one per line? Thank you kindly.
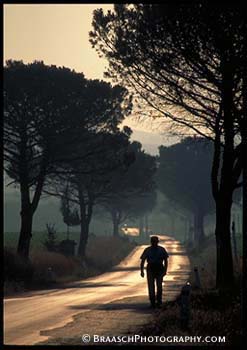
(143, 258)
(165, 258)
(165, 266)
(142, 266)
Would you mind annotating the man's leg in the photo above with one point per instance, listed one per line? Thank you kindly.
(159, 281)
(151, 287)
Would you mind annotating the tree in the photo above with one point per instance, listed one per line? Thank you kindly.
(128, 189)
(34, 112)
(142, 205)
(42, 106)
(51, 241)
(184, 178)
(70, 216)
(244, 152)
(186, 62)
(87, 182)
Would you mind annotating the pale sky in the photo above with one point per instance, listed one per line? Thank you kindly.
(58, 34)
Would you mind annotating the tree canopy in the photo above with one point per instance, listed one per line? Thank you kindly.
(184, 178)
(50, 113)
(172, 56)
(128, 189)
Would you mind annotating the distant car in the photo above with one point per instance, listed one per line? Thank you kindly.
(130, 231)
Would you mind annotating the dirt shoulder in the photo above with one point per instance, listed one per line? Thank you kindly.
(120, 317)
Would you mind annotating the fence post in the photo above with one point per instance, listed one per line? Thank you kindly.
(51, 277)
(184, 302)
(197, 278)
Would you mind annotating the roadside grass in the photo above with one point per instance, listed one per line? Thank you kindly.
(211, 314)
(38, 237)
(103, 252)
(209, 317)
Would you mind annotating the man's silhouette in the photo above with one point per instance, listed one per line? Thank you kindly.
(157, 263)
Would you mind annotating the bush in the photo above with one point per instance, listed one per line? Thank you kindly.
(51, 241)
(16, 268)
(12, 287)
(60, 265)
(102, 254)
(20, 274)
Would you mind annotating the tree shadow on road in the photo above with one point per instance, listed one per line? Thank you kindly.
(135, 304)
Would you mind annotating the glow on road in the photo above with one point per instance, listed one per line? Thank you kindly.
(26, 316)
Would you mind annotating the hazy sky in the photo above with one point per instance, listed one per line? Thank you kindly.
(58, 34)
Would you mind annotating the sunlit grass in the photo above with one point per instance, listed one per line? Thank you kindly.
(102, 253)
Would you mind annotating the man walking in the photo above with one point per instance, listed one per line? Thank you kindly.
(157, 263)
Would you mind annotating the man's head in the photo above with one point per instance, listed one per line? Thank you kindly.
(154, 241)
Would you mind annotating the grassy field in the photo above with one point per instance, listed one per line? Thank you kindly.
(103, 252)
(11, 238)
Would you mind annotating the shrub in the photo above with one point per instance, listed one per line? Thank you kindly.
(11, 287)
(60, 264)
(51, 241)
(16, 268)
(102, 254)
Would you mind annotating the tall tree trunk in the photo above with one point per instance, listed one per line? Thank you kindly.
(25, 233)
(28, 208)
(191, 232)
(186, 230)
(26, 220)
(223, 178)
(243, 126)
(67, 231)
(224, 273)
(141, 226)
(234, 242)
(85, 216)
(199, 235)
(84, 230)
(146, 225)
(244, 164)
(115, 222)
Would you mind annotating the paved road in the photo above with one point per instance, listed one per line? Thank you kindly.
(26, 316)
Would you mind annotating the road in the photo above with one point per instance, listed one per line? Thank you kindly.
(26, 316)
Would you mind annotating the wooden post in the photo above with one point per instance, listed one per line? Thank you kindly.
(197, 278)
(50, 277)
(184, 303)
